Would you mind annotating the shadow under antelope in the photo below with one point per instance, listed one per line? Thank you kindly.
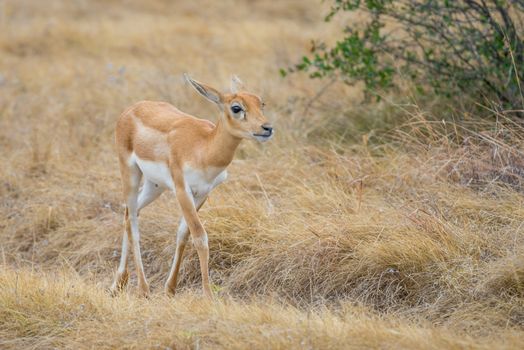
(175, 151)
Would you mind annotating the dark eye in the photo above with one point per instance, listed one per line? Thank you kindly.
(236, 109)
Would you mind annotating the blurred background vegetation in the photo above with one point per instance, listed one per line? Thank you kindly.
(460, 48)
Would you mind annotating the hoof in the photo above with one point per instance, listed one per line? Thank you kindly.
(119, 284)
(144, 292)
(208, 295)
(169, 291)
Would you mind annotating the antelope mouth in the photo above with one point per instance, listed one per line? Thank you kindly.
(263, 137)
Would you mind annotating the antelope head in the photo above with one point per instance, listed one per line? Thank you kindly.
(243, 115)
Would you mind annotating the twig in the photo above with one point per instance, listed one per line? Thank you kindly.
(319, 94)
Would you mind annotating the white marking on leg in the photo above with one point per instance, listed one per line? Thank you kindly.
(122, 266)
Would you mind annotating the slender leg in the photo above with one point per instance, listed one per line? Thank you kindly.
(131, 175)
(202, 247)
(143, 286)
(181, 241)
(198, 233)
(122, 276)
(131, 183)
(148, 193)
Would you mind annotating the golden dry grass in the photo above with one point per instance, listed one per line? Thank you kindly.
(327, 237)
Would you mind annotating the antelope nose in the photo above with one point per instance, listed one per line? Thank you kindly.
(268, 128)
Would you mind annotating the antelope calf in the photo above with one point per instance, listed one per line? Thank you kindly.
(175, 151)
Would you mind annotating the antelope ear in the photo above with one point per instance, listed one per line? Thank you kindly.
(205, 90)
(236, 84)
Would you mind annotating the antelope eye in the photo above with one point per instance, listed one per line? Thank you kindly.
(236, 109)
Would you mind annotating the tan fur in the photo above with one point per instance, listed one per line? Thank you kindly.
(159, 132)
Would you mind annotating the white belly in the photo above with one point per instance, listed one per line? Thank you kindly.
(198, 182)
(156, 172)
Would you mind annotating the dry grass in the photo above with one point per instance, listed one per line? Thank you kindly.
(62, 311)
(323, 238)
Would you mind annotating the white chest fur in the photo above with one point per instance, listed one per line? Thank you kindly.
(201, 182)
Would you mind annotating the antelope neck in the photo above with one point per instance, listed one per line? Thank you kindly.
(222, 146)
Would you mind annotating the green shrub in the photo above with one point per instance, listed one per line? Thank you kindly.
(450, 47)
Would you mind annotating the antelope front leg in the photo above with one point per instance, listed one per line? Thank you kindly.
(198, 233)
(181, 241)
